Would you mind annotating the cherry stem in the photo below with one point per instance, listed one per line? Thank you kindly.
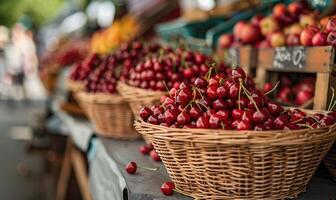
(149, 168)
(239, 92)
(164, 83)
(208, 74)
(276, 85)
(306, 125)
(332, 100)
(248, 94)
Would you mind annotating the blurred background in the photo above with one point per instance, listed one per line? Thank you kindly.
(41, 39)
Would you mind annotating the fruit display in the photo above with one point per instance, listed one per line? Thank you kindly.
(230, 102)
(121, 31)
(69, 52)
(293, 92)
(100, 73)
(292, 25)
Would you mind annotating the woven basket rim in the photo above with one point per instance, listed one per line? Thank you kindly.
(100, 98)
(141, 90)
(233, 137)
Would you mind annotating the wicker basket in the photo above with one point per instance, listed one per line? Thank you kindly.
(110, 115)
(219, 164)
(330, 161)
(49, 81)
(75, 86)
(138, 98)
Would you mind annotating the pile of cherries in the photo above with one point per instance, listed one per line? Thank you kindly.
(168, 69)
(230, 102)
(81, 70)
(101, 73)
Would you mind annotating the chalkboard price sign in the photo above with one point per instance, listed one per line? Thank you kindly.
(289, 58)
(233, 57)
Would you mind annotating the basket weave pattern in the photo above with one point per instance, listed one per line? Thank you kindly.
(110, 114)
(138, 98)
(75, 86)
(219, 164)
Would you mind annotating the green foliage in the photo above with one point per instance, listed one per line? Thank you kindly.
(40, 11)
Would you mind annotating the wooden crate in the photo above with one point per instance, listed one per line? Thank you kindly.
(244, 57)
(316, 60)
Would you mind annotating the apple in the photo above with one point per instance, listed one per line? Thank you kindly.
(331, 25)
(256, 20)
(279, 9)
(293, 40)
(307, 20)
(249, 34)
(268, 25)
(306, 37)
(303, 96)
(331, 39)
(225, 40)
(295, 29)
(238, 28)
(263, 44)
(267, 87)
(320, 39)
(284, 94)
(285, 81)
(277, 39)
(295, 8)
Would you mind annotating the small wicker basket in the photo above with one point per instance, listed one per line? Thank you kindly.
(219, 164)
(110, 115)
(75, 86)
(138, 97)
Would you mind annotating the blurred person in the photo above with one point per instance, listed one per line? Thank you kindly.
(23, 64)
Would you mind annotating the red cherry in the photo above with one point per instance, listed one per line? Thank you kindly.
(219, 104)
(183, 118)
(212, 91)
(144, 149)
(223, 114)
(200, 82)
(237, 113)
(195, 113)
(131, 167)
(234, 90)
(269, 124)
(170, 116)
(154, 155)
(167, 188)
(215, 121)
(291, 126)
(280, 122)
(260, 116)
(259, 127)
(318, 116)
(243, 125)
(327, 121)
(274, 108)
(184, 96)
(222, 92)
(153, 120)
(188, 73)
(157, 110)
(145, 113)
(238, 73)
(202, 122)
(248, 116)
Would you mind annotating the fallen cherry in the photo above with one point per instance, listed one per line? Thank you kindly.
(167, 188)
(131, 167)
(144, 150)
(154, 155)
